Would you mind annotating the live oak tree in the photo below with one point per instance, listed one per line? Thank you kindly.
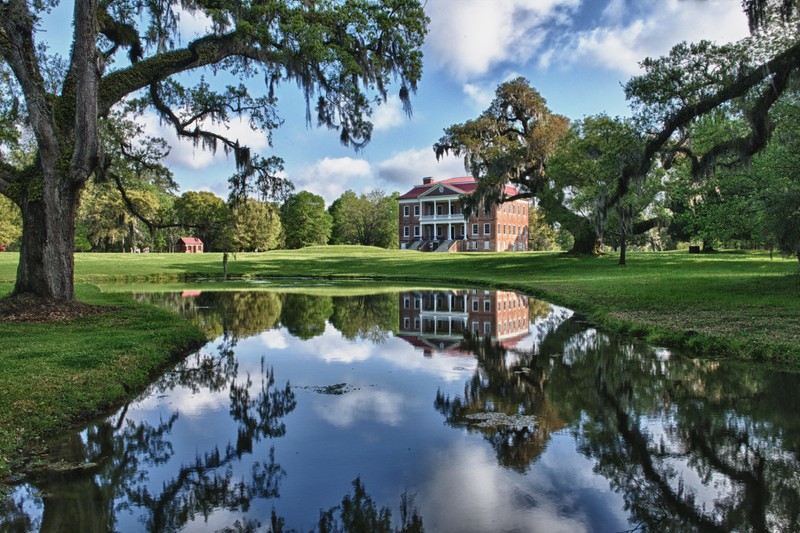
(341, 54)
(513, 140)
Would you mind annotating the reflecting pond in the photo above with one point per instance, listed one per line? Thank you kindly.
(442, 410)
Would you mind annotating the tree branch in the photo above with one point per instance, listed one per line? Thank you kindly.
(85, 154)
(779, 68)
(202, 52)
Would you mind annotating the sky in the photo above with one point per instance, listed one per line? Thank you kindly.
(577, 53)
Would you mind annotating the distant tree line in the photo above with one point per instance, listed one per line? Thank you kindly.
(106, 223)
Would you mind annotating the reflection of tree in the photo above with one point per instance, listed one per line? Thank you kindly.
(358, 514)
(239, 314)
(538, 309)
(112, 459)
(522, 417)
(371, 317)
(691, 445)
(304, 315)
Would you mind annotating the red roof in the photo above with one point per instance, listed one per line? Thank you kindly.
(463, 185)
(190, 240)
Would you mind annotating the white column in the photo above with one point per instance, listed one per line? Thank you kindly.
(449, 232)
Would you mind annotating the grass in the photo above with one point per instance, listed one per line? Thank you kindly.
(55, 375)
(732, 305)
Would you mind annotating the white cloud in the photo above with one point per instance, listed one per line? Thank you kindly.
(469, 37)
(186, 155)
(620, 46)
(330, 177)
(407, 168)
(389, 114)
(479, 96)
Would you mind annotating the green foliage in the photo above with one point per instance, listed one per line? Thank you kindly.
(305, 221)
(208, 218)
(10, 222)
(541, 235)
(258, 226)
(370, 219)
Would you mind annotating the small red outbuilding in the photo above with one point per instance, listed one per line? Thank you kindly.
(190, 245)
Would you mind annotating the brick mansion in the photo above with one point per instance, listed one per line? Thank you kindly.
(431, 219)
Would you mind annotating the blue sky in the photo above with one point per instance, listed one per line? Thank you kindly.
(576, 53)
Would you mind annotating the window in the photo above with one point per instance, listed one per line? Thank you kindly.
(416, 231)
(475, 304)
(474, 229)
(416, 303)
(406, 323)
(487, 305)
(416, 210)
(439, 231)
(487, 229)
(487, 328)
(416, 323)
(406, 303)
(405, 210)
(474, 327)
(405, 231)
(485, 245)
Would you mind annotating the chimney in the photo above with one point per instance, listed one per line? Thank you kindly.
(427, 180)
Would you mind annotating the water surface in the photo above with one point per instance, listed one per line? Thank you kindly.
(481, 410)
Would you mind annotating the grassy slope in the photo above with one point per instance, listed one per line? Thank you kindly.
(741, 305)
(55, 375)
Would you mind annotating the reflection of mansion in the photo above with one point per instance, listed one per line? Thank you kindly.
(437, 320)
(432, 219)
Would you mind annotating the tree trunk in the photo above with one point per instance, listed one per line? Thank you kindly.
(46, 263)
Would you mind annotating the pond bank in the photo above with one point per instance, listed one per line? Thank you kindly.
(736, 305)
(62, 373)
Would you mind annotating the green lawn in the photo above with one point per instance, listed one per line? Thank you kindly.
(58, 374)
(743, 305)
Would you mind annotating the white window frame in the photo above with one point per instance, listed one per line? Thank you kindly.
(487, 229)
(405, 211)
(406, 232)
(474, 229)
(416, 210)
(416, 231)
(487, 306)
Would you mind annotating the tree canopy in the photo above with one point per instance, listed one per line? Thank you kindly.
(305, 220)
(127, 56)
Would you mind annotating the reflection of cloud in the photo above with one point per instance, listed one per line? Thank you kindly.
(186, 402)
(468, 472)
(274, 339)
(363, 406)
